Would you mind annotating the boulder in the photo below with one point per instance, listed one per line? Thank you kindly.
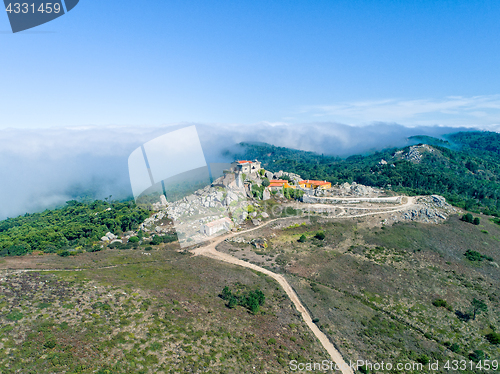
(111, 236)
(266, 195)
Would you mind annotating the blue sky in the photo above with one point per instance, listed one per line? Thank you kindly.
(159, 62)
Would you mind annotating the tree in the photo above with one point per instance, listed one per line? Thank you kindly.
(302, 238)
(467, 218)
(265, 182)
(478, 306)
(476, 221)
(262, 172)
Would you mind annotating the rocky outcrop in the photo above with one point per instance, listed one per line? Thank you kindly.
(429, 209)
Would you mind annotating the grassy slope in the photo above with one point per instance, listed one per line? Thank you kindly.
(372, 289)
(159, 316)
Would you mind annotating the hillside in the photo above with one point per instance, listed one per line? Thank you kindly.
(465, 168)
(384, 277)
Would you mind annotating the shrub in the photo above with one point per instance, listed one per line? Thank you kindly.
(302, 239)
(14, 316)
(64, 253)
(455, 348)
(149, 248)
(134, 239)
(320, 235)
(364, 370)
(467, 218)
(476, 221)
(315, 320)
(157, 240)
(473, 255)
(169, 238)
(477, 355)
(424, 359)
(493, 338)
(440, 303)
(49, 344)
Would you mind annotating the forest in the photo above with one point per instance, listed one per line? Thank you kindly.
(77, 224)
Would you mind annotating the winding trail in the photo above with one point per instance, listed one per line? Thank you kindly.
(210, 251)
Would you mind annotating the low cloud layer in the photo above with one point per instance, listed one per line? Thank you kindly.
(43, 168)
(478, 111)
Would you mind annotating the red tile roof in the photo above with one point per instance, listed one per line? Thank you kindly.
(317, 183)
(244, 162)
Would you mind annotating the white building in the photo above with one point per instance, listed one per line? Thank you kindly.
(247, 167)
(211, 228)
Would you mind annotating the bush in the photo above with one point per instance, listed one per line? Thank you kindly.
(320, 235)
(455, 348)
(14, 316)
(477, 355)
(476, 221)
(467, 218)
(315, 320)
(169, 238)
(493, 338)
(364, 370)
(134, 239)
(148, 248)
(424, 359)
(440, 303)
(157, 240)
(473, 255)
(302, 239)
(265, 182)
(64, 253)
(49, 344)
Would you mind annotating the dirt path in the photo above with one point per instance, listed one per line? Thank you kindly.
(210, 251)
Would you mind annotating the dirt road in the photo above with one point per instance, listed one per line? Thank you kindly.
(210, 251)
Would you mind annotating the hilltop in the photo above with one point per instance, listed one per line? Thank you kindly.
(465, 168)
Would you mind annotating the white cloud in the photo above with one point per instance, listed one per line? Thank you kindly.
(41, 168)
(476, 111)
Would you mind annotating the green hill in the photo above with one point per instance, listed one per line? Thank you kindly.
(465, 168)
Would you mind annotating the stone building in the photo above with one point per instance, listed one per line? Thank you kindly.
(246, 167)
(211, 228)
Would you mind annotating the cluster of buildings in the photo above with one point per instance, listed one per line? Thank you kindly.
(278, 184)
(251, 167)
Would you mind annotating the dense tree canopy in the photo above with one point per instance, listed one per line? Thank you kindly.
(75, 224)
